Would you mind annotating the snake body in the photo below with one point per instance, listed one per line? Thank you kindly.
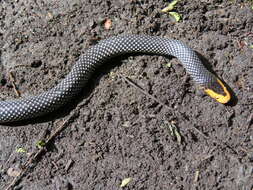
(34, 106)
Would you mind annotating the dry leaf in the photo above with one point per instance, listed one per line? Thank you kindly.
(108, 24)
(125, 181)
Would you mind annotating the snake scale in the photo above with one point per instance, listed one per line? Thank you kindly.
(49, 101)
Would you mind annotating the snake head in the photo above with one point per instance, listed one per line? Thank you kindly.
(219, 92)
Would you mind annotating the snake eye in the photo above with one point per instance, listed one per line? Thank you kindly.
(222, 98)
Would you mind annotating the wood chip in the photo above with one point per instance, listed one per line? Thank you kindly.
(196, 178)
(69, 164)
(13, 172)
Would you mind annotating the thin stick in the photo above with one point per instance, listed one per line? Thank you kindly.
(129, 81)
(249, 122)
(12, 79)
(34, 156)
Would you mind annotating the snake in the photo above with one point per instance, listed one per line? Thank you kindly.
(30, 107)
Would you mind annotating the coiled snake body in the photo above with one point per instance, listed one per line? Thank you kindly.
(34, 106)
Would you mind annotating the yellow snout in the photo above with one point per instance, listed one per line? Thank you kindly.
(219, 97)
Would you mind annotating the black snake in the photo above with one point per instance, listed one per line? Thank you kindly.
(34, 106)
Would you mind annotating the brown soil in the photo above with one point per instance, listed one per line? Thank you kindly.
(115, 131)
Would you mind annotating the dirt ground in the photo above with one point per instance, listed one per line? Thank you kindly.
(113, 131)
